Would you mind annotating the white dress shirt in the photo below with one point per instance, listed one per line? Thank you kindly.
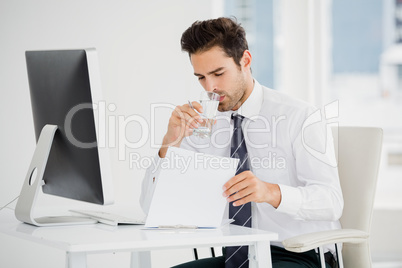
(279, 143)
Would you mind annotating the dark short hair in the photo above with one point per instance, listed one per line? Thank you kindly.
(223, 32)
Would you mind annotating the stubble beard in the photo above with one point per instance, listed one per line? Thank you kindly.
(235, 100)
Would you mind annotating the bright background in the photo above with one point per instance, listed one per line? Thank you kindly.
(320, 51)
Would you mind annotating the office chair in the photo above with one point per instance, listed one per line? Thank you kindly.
(358, 150)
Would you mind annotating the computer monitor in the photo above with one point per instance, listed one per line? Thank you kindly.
(65, 92)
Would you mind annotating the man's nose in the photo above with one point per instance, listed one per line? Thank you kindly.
(210, 85)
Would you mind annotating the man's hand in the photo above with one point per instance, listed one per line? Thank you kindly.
(181, 124)
(246, 187)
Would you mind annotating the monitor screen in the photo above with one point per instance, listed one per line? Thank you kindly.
(65, 92)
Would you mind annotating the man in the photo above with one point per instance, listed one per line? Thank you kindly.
(291, 192)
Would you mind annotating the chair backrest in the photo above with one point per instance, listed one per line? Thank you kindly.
(358, 150)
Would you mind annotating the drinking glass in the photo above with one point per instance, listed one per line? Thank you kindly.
(209, 102)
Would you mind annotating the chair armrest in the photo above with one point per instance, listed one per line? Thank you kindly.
(305, 242)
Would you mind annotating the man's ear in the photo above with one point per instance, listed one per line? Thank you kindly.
(246, 59)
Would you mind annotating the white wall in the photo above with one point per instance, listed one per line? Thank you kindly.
(141, 62)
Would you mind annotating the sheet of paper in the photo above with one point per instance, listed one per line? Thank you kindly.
(189, 190)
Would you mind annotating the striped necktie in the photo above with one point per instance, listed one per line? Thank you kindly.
(238, 256)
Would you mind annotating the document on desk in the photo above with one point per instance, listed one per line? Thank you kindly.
(188, 191)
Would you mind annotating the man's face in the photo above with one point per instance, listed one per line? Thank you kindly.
(219, 73)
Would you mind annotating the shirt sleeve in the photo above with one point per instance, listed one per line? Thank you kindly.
(149, 183)
(316, 193)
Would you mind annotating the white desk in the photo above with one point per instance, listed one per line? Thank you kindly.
(78, 241)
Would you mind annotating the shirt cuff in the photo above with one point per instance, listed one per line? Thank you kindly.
(156, 167)
(291, 200)
(149, 183)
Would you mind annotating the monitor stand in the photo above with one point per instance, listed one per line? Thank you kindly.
(24, 211)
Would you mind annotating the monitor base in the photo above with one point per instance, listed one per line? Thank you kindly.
(64, 220)
(24, 210)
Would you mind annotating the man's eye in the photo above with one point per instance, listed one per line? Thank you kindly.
(200, 77)
(218, 74)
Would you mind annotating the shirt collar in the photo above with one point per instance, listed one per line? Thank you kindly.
(252, 106)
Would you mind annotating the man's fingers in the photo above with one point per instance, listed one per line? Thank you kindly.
(236, 179)
(192, 112)
(197, 106)
(244, 188)
(235, 189)
(244, 200)
(184, 114)
(239, 194)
